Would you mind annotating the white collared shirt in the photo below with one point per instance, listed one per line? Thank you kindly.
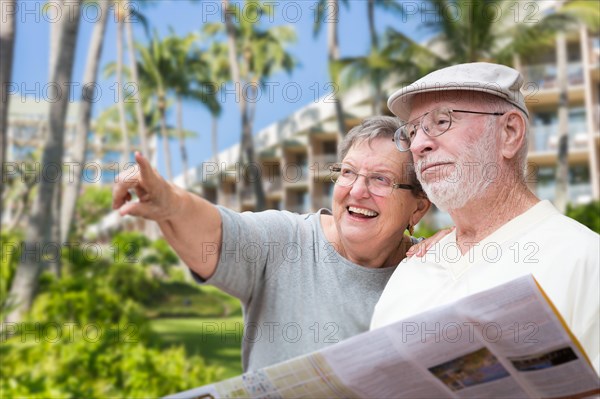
(562, 254)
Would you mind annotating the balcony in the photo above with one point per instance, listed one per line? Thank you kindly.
(321, 164)
(595, 50)
(324, 161)
(546, 136)
(273, 184)
(544, 76)
(295, 173)
(578, 193)
(272, 187)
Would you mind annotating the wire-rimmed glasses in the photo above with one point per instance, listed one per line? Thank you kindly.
(433, 123)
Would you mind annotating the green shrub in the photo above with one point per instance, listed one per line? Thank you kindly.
(93, 204)
(424, 230)
(96, 366)
(10, 244)
(132, 281)
(103, 296)
(587, 214)
(127, 246)
(161, 254)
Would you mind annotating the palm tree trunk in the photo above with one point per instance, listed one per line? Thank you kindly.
(7, 40)
(377, 83)
(255, 170)
(247, 149)
(55, 234)
(126, 154)
(214, 139)
(181, 136)
(136, 82)
(371, 17)
(73, 188)
(333, 54)
(165, 135)
(562, 167)
(54, 262)
(55, 39)
(37, 235)
(22, 203)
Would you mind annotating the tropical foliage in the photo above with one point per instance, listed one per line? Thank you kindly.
(87, 334)
(587, 214)
(84, 323)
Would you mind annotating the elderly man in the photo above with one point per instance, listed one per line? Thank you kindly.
(467, 130)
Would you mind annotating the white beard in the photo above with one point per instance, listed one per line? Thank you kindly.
(474, 171)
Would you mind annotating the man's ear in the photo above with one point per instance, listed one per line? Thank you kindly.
(513, 133)
(423, 205)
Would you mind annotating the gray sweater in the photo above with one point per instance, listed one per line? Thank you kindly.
(298, 293)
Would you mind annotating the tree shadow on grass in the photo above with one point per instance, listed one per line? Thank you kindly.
(218, 341)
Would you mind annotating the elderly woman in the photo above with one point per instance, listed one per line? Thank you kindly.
(305, 281)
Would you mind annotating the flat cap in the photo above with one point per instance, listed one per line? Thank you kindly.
(496, 79)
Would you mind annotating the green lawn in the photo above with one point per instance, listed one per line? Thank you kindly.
(182, 299)
(217, 340)
(204, 320)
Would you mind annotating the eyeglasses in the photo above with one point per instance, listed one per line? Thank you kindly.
(433, 123)
(378, 183)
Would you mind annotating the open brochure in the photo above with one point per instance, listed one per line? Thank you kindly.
(506, 342)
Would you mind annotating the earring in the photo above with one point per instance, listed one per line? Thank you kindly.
(411, 229)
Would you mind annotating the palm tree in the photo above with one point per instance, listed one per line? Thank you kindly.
(154, 67)
(328, 12)
(187, 77)
(218, 75)
(396, 59)
(126, 154)
(7, 40)
(180, 83)
(83, 121)
(377, 77)
(107, 127)
(254, 54)
(467, 39)
(125, 15)
(25, 282)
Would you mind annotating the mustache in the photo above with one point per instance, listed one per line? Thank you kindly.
(423, 163)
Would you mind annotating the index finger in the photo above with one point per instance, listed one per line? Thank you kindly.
(146, 171)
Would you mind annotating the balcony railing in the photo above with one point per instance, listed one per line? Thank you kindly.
(596, 45)
(295, 173)
(545, 75)
(272, 184)
(546, 136)
(578, 193)
(323, 161)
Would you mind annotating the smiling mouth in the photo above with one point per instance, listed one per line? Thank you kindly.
(361, 212)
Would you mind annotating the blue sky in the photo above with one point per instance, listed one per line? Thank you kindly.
(305, 84)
